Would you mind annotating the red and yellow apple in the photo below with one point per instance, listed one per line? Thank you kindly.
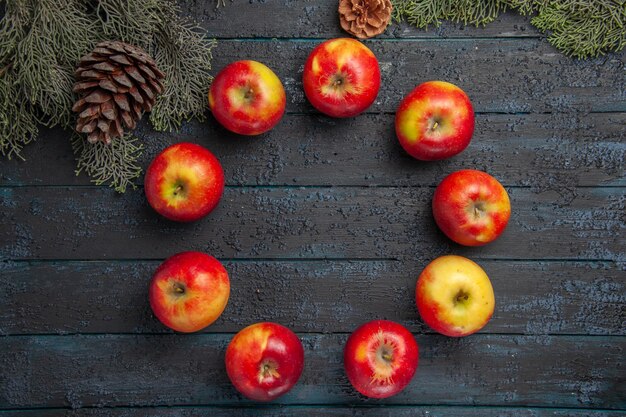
(264, 361)
(471, 207)
(247, 98)
(341, 77)
(189, 291)
(435, 121)
(380, 358)
(184, 182)
(454, 296)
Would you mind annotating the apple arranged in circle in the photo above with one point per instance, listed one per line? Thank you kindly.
(247, 98)
(380, 358)
(471, 207)
(264, 361)
(184, 182)
(435, 121)
(454, 296)
(341, 77)
(189, 291)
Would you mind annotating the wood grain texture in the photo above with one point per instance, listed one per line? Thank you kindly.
(319, 19)
(538, 150)
(309, 296)
(110, 370)
(307, 411)
(372, 223)
(504, 75)
(326, 224)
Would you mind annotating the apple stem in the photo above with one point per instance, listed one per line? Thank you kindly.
(178, 189)
(387, 357)
(435, 125)
(268, 370)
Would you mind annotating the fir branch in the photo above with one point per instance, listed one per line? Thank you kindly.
(184, 54)
(41, 42)
(420, 13)
(45, 57)
(115, 164)
(578, 28)
(132, 22)
(18, 125)
(178, 47)
(583, 29)
(423, 13)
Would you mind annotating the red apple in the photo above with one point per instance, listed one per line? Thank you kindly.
(246, 97)
(380, 358)
(435, 121)
(471, 207)
(454, 296)
(184, 182)
(189, 291)
(264, 361)
(341, 77)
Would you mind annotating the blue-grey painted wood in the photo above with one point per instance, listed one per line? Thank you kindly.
(503, 75)
(319, 19)
(113, 370)
(309, 296)
(307, 411)
(336, 222)
(534, 129)
(538, 150)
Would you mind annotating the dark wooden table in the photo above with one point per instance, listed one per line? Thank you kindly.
(326, 224)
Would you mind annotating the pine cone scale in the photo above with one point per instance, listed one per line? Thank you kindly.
(134, 73)
(364, 18)
(156, 86)
(120, 59)
(104, 66)
(123, 80)
(121, 101)
(116, 84)
(108, 85)
(135, 94)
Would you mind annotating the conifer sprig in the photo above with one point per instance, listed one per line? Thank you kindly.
(41, 42)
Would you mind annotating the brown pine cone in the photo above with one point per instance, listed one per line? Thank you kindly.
(364, 18)
(116, 83)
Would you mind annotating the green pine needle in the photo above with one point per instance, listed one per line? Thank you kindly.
(41, 42)
(583, 29)
(115, 164)
(18, 124)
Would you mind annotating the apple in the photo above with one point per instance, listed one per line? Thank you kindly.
(435, 121)
(264, 361)
(471, 207)
(247, 98)
(380, 358)
(341, 77)
(189, 291)
(184, 182)
(454, 296)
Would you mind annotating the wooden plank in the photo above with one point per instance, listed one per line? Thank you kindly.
(504, 75)
(305, 411)
(319, 19)
(337, 222)
(540, 150)
(115, 370)
(309, 296)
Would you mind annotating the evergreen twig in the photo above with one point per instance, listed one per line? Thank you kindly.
(114, 164)
(583, 29)
(185, 58)
(41, 42)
